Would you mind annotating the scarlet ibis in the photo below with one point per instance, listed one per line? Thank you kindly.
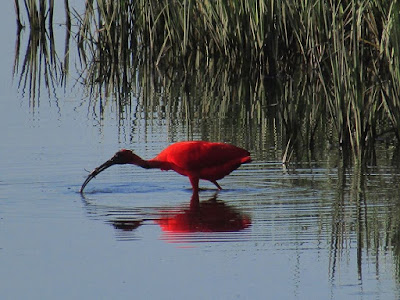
(195, 159)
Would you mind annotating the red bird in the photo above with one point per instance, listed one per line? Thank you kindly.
(196, 159)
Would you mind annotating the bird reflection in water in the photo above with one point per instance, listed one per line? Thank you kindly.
(207, 216)
(211, 215)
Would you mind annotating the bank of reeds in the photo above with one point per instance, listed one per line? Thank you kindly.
(41, 64)
(37, 12)
(335, 64)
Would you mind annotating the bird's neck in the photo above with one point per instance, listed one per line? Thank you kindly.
(149, 164)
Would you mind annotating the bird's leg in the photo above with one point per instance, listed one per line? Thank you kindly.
(195, 184)
(216, 184)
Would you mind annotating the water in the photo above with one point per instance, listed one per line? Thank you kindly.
(312, 231)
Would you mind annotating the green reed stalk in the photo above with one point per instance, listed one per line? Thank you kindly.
(18, 15)
(335, 62)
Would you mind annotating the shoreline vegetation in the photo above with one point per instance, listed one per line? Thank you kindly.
(320, 72)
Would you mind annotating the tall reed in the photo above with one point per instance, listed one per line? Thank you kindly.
(336, 63)
(41, 64)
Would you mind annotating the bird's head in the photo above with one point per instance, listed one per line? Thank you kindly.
(122, 157)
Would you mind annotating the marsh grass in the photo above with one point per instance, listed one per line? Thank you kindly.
(41, 66)
(334, 66)
(37, 12)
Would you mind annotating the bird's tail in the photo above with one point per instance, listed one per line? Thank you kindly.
(245, 160)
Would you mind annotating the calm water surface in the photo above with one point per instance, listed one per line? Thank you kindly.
(312, 231)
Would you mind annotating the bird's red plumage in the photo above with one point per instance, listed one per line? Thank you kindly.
(206, 160)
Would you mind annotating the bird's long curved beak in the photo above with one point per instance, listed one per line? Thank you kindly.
(96, 171)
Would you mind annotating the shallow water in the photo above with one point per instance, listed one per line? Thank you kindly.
(312, 231)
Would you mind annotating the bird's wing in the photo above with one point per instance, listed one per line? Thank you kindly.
(192, 156)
